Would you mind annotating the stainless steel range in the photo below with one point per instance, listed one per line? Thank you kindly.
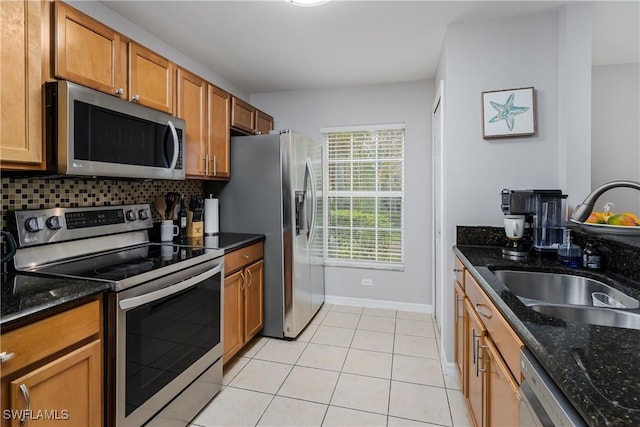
(163, 314)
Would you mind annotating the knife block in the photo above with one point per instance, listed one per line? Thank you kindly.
(195, 228)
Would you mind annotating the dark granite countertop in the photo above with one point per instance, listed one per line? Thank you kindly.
(23, 295)
(596, 367)
(232, 241)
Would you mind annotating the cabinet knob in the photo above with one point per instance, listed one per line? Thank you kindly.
(245, 256)
(135, 98)
(119, 91)
(5, 357)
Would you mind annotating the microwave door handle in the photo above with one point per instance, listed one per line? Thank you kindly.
(176, 145)
(134, 302)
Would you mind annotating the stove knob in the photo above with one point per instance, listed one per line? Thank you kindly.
(143, 214)
(34, 224)
(131, 215)
(53, 223)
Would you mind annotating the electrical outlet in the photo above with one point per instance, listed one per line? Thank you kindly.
(367, 282)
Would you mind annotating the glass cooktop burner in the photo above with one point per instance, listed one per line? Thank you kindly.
(123, 264)
(123, 270)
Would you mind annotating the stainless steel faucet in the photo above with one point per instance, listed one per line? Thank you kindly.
(583, 210)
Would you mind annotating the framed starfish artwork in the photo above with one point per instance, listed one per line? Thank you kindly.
(508, 113)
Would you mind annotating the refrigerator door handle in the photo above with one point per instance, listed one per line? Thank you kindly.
(314, 205)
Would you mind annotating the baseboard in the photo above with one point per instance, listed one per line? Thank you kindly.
(372, 303)
(449, 369)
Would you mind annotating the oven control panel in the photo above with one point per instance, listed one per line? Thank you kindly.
(42, 226)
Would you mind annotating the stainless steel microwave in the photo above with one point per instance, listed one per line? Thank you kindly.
(96, 134)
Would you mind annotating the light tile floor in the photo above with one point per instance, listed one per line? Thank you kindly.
(351, 366)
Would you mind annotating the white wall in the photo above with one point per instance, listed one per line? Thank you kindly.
(122, 25)
(409, 103)
(574, 101)
(500, 54)
(615, 124)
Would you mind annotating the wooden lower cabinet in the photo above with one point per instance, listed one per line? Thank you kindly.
(55, 376)
(459, 331)
(243, 298)
(487, 354)
(474, 370)
(503, 406)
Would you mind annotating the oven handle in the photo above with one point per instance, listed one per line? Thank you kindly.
(134, 302)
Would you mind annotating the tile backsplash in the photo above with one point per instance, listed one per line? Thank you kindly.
(43, 193)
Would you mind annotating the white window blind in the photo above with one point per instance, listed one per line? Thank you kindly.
(365, 195)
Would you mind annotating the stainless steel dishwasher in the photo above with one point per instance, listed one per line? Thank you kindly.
(541, 402)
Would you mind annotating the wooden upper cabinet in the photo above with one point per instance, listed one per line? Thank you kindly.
(264, 123)
(150, 78)
(191, 106)
(242, 116)
(21, 74)
(218, 147)
(86, 51)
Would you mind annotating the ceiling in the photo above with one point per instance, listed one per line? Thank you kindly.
(271, 45)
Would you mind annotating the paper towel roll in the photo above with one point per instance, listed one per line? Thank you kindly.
(211, 219)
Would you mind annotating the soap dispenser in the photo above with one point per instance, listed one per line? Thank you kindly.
(569, 253)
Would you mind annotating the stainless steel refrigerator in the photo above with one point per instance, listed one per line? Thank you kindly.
(276, 190)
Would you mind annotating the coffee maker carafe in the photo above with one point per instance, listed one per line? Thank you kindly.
(542, 213)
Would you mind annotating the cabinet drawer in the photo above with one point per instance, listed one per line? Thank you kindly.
(459, 269)
(505, 340)
(45, 337)
(236, 260)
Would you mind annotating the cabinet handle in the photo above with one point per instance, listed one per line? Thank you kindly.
(478, 370)
(245, 256)
(206, 164)
(5, 357)
(215, 168)
(135, 98)
(458, 300)
(244, 282)
(27, 400)
(250, 274)
(473, 348)
(119, 91)
(458, 270)
(485, 315)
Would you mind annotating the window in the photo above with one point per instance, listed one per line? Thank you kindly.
(364, 201)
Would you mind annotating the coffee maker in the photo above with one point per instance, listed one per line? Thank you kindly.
(533, 219)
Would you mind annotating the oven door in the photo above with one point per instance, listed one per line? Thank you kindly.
(168, 332)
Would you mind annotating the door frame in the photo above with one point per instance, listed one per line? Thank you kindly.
(437, 199)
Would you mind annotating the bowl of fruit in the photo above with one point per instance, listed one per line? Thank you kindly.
(608, 222)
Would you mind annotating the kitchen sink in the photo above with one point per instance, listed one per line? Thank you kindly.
(533, 287)
(592, 315)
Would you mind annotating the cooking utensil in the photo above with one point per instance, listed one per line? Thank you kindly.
(172, 202)
(161, 206)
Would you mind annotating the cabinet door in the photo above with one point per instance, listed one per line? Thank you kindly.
(242, 116)
(233, 314)
(68, 389)
(192, 92)
(474, 365)
(21, 76)
(150, 78)
(218, 106)
(86, 51)
(503, 395)
(264, 123)
(459, 340)
(253, 316)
